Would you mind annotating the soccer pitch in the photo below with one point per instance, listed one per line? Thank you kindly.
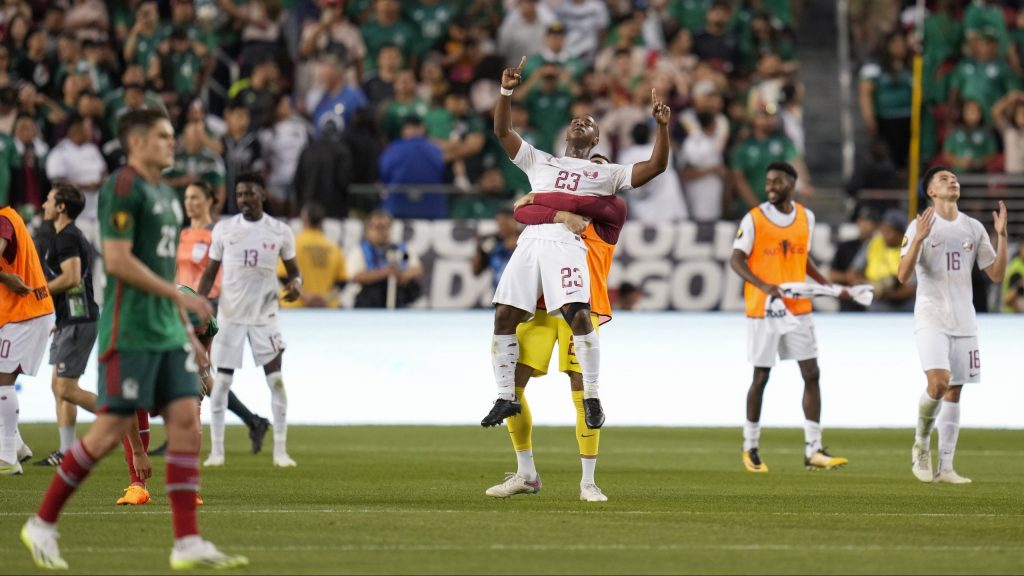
(411, 500)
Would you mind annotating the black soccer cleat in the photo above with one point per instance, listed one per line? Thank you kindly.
(257, 432)
(52, 460)
(160, 450)
(502, 409)
(593, 414)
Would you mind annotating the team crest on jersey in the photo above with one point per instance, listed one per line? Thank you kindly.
(905, 241)
(120, 221)
(269, 246)
(592, 175)
(130, 389)
(968, 246)
(739, 233)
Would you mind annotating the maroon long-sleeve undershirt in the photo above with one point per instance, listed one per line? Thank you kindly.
(607, 213)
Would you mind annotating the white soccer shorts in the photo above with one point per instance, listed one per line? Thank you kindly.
(22, 345)
(228, 346)
(763, 345)
(959, 355)
(556, 270)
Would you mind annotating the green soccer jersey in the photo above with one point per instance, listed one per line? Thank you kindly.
(150, 216)
(145, 47)
(549, 113)
(396, 111)
(575, 66)
(690, 14)
(892, 91)
(985, 82)
(188, 66)
(974, 145)
(206, 329)
(432, 20)
(9, 159)
(376, 36)
(752, 157)
(205, 165)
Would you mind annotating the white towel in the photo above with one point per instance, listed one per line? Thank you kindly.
(862, 294)
(778, 318)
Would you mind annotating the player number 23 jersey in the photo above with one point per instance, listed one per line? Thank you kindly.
(248, 252)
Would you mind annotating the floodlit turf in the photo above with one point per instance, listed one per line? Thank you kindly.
(411, 500)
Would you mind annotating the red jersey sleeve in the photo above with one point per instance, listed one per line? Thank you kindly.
(608, 213)
(535, 214)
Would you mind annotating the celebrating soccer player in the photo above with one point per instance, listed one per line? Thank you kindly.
(772, 247)
(146, 360)
(550, 259)
(942, 246)
(249, 245)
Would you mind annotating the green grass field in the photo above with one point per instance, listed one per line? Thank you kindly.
(410, 500)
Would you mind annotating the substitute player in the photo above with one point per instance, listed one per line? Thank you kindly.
(249, 245)
(26, 316)
(942, 247)
(772, 248)
(550, 259)
(146, 360)
(539, 335)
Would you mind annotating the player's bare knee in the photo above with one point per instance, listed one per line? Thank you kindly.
(506, 318)
(761, 377)
(952, 394)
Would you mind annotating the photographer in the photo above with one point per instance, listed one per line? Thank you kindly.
(389, 275)
(493, 252)
(1013, 285)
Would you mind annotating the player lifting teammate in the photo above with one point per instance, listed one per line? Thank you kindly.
(550, 259)
(249, 245)
(772, 247)
(942, 246)
(146, 359)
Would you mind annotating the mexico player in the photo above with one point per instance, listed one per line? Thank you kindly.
(146, 360)
(26, 316)
(249, 245)
(772, 248)
(539, 335)
(550, 259)
(942, 246)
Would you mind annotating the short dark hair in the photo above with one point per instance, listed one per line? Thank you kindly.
(71, 197)
(250, 178)
(926, 180)
(785, 167)
(203, 187)
(135, 121)
(315, 214)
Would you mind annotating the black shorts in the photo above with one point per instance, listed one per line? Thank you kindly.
(71, 347)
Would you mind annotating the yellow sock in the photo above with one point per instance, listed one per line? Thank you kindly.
(520, 426)
(588, 439)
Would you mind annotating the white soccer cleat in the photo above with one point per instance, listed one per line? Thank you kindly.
(921, 462)
(24, 453)
(8, 469)
(193, 552)
(284, 461)
(950, 477)
(591, 493)
(41, 541)
(214, 461)
(514, 484)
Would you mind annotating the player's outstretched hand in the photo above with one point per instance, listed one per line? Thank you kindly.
(925, 220)
(196, 304)
(523, 200)
(143, 467)
(513, 77)
(999, 218)
(659, 109)
(292, 291)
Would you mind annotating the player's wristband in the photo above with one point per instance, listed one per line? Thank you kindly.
(505, 91)
(298, 281)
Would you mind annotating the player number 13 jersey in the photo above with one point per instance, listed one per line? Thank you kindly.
(248, 252)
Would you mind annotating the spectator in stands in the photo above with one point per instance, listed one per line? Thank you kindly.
(334, 33)
(791, 114)
(365, 141)
(490, 198)
(703, 170)
(339, 99)
(30, 183)
(144, 39)
(626, 40)
(765, 37)
(586, 22)
(194, 162)
(414, 160)
(261, 27)
(688, 15)
(405, 102)
(79, 162)
(34, 64)
(9, 161)
(242, 150)
(886, 87)
(180, 69)
(380, 86)
(494, 251)
(461, 135)
(971, 146)
(214, 127)
(282, 143)
(661, 199)
(1008, 114)
(387, 27)
(555, 51)
(524, 30)
(878, 263)
(750, 158)
(377, 262)
(1013, 285)
(431, 18)
(321, 261)
(985, 76)
(707, 102)
(984, 18)
(872, 20)
(841, 271)
(716, 43)
(8, 108)
(547, 96)
(259, 92)
(323, 173)
(629, 296)
(679, 60)
(433, 84)
(132, 95)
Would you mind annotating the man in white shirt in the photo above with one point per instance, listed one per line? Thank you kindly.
(249, 245)
(587, 22)
(942, 247)
(77, 161)
(550, 259)
(523, 30)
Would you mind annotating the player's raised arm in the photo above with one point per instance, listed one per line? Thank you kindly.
(997, 270)
(644, 172)
(920, 230)
(510, 140)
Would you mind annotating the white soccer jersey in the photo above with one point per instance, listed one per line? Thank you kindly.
(248, 252)
(577, 176)
(945, 298)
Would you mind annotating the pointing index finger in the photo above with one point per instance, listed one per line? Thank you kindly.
(522, 63)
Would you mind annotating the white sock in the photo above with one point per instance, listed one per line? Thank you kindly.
(812, 437)
(67, 437)
(504, 356)
(218, 408)
(526, 467)
(949, 430)
(588, 352)
(588, 470)
(9, 442)
(279, 408)
(927, 408)
(751, 435)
